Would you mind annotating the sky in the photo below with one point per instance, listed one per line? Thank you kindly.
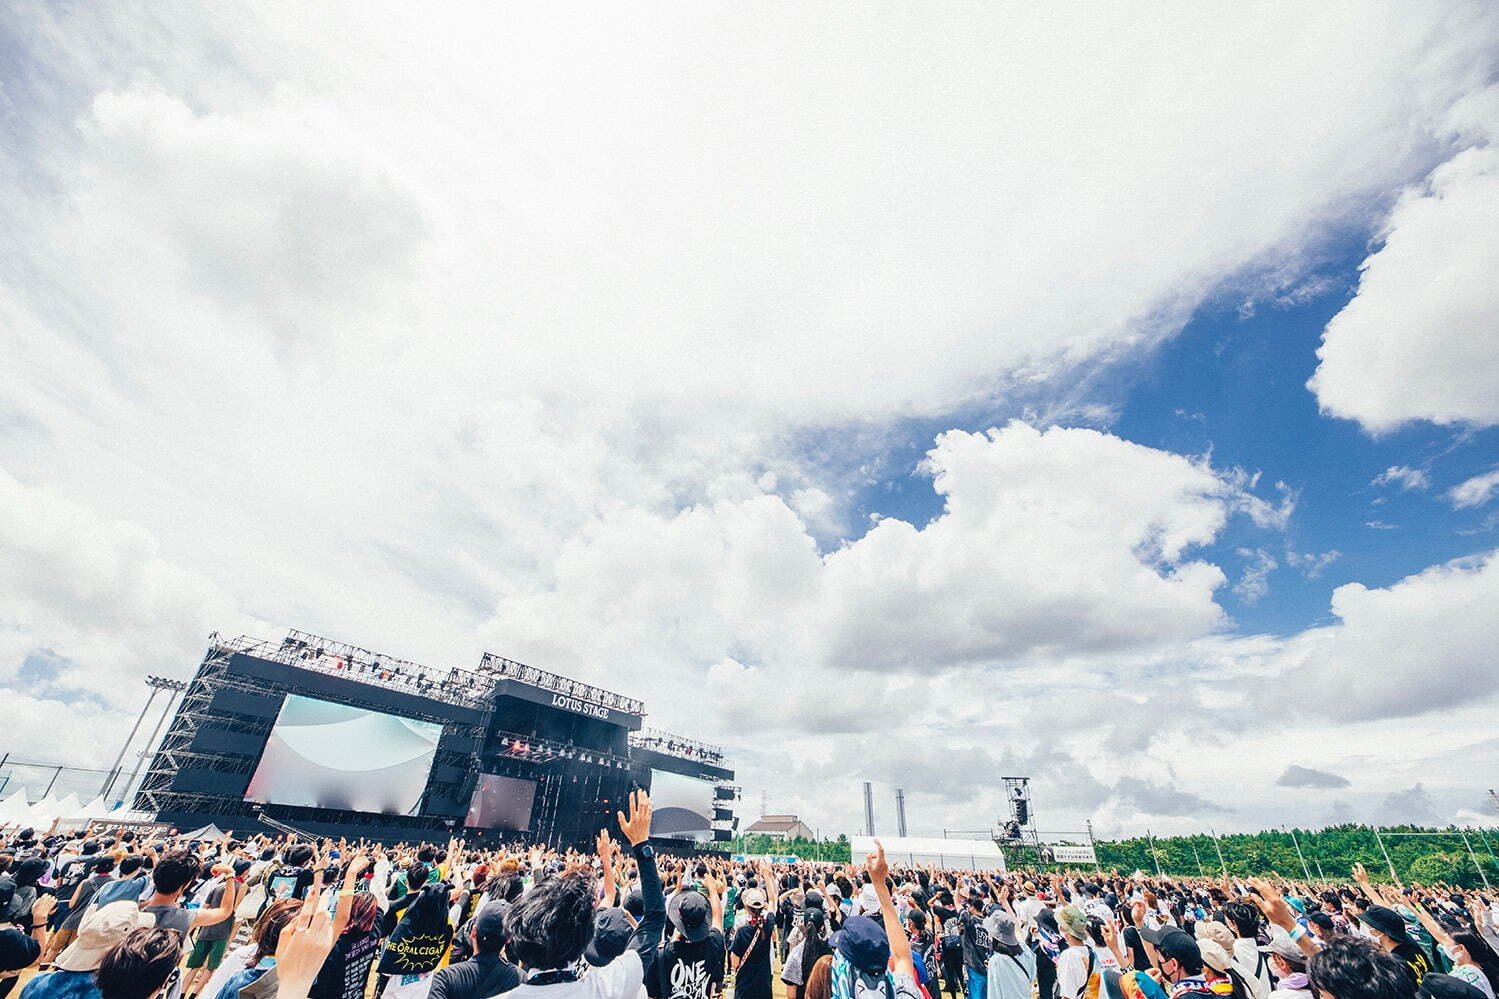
(1101, 394)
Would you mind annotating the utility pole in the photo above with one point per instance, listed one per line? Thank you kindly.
(1200, 872)
(900, 812)
(1388, 862)
(1153, 855)
(1297, 844)
(1221, 862)
(1474, 857)
(176, 687)
(114, 771)
(868, 809)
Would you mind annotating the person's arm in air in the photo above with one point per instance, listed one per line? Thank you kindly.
(227, 902)
(716, 891)
(900, 944)
(346, 894)
(606, 870)
(637, 829)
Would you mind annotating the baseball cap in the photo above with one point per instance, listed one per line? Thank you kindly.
(489, 927)
(754, 898)
(99, 931)
(1174, 945)
(1386, 921)
(862, 942)
(611, 935)
(689, 914)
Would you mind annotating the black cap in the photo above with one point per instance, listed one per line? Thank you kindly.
(1437, 986)
(17, 950)
(489, 929)
(1386, 921)
(1174, 945)
(611, 935)
(689, 914)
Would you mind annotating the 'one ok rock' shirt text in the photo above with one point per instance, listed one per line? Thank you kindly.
(690, 970)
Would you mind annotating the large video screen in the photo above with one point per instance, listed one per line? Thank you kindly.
(326, 755)
(501, 803)
(681, 807)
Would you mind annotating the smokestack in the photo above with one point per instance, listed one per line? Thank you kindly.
(868, 809)
(900, 812)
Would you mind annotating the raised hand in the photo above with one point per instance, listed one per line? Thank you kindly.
(637, 828)
(875, 864)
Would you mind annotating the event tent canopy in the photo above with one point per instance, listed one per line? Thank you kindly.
(964, 854)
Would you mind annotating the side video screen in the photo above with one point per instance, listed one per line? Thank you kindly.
(326, 755)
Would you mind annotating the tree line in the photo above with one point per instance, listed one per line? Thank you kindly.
(1418, 854)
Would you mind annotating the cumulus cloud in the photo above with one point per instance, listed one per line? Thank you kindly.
(1420, 340)
(1474, 492)
(1296, 776)
(1412, 805)
(1415, 646)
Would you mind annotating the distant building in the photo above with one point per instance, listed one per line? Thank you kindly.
(781, 827)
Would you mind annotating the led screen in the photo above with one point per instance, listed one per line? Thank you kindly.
(681, 807)
(501, 803)
(326, 755)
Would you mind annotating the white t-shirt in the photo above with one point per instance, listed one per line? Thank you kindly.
(1074, 968)
(1026, 911)
(621, 978)
(1253, 966)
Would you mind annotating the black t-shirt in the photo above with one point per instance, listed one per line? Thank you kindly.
(346, 970)
(788, 912)
(1138, 956)
(688, 970)
(1414, 960)
(976, 945)
(752, 947)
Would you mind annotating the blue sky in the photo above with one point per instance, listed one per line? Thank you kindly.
(1232, 386)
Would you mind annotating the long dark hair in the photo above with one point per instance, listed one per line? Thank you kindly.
(814, 944)
(1482, 954)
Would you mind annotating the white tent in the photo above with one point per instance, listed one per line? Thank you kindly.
(96, 809)
(16, 809)
(45, 811)
(909, 851)
(69, 807)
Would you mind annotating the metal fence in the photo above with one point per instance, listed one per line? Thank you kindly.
(42, 779)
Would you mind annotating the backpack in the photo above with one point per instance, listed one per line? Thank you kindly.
(952, 936)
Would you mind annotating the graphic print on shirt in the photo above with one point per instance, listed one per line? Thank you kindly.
(690, 980)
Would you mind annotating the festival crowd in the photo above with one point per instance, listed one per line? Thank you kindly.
(124, 914)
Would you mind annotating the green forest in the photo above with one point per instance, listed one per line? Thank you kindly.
(1419, 855)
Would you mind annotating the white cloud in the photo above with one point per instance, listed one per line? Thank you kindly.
(1405, 477)
(1418, 645)
(1255, 582)
(1474, 492)
(571, 333)
(1420, 340)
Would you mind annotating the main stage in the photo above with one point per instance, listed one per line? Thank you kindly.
(335, 740)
